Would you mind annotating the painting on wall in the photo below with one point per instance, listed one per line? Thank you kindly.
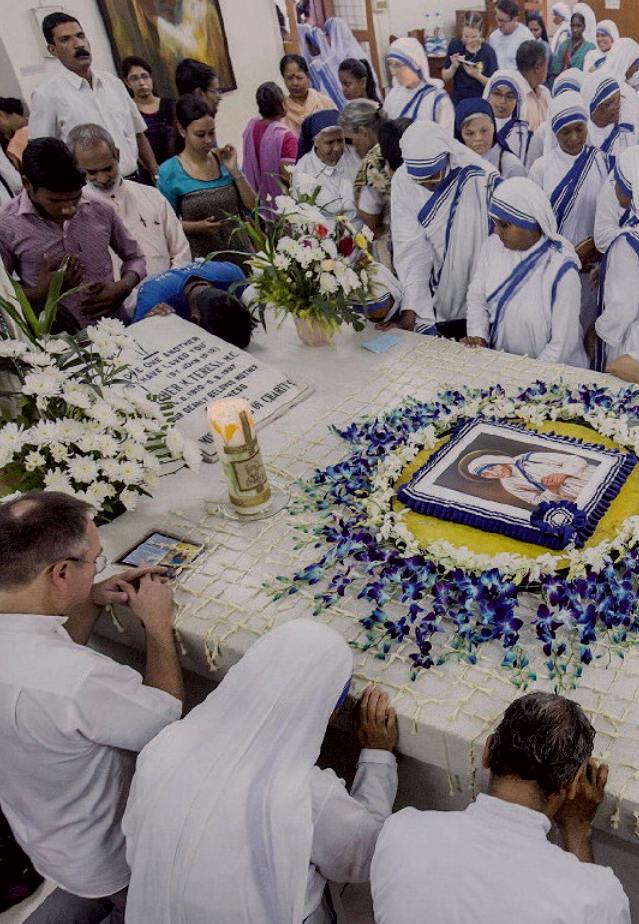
(164, 32)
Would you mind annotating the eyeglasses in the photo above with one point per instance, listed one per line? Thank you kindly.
(99, 563)
(506, 95)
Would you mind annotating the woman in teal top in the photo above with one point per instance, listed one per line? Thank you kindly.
(573, 50)
(204, 185)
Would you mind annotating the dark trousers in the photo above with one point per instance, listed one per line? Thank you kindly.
(63, 908)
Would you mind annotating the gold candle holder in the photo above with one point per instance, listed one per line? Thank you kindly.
(233, 428)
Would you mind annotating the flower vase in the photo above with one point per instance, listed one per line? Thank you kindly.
(314, 332)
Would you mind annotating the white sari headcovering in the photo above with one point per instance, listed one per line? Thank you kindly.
(590, 32)
(610, 28)
(621, 56)
(597, 88)
(570, 79)
(218, 823)
(513, 81)
(562, 31)
(408, 51)
(521, 202)
(564, 109)
(427, 148)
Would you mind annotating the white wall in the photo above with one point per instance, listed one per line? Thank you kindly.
(253, 37)
(404, 15)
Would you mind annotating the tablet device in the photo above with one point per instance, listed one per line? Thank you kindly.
(158, 548)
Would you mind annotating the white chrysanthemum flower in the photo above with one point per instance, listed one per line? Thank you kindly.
(13, 437)
(281, 262)
(133, 450)
(330, 248)
(41, 434)
(130, 472)
(285, 204)
(147, 407)
(98, 492)
(104, 414)
(349, 281)
(45, 384)
(78, 395)
(12, 349)
(192, 455)
(34, 460)
(83, 469)
(59, 452)
(151, 480)
(328, 283)
(36, 358)
(111, 469)
(129, 499)
(57, 480)
(174, 441)
(56, 347)
(151, 463)
(69, 430)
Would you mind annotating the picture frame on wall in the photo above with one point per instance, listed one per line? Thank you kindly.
(163, 32)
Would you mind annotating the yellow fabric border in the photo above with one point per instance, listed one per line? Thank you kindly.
(427, 530)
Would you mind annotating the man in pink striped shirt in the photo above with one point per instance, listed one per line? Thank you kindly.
(51, 222)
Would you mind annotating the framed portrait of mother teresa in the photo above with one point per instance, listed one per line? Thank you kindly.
(541, 488)
(164, 32)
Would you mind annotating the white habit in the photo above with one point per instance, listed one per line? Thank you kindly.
(229, 819)
(336, 196)
(527, 471)
(541, 319)
(434, 105)
(491, 863)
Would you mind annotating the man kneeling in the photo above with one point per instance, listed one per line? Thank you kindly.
(493, 862)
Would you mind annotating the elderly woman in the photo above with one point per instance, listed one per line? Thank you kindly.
(439, 221)
(505, 92)
(613, 113)
(361, 121)
(325, 161)
(205, 185)
(413, 94)
(476, 128)
(229, 818)
(302, 100)
(607, 35)
(525, 296)
(269, 146)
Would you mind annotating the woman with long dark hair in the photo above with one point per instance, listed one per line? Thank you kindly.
(357, 80)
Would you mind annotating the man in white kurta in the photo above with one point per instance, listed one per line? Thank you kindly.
(534, 477)
(493, 862)
(146, 213)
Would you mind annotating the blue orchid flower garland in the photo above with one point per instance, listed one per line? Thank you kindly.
(588, 610)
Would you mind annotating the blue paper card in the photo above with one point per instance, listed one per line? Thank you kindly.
(381, 344)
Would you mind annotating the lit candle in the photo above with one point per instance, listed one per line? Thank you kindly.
(233, 427)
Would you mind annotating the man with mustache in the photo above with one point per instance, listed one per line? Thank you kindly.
(78, 95)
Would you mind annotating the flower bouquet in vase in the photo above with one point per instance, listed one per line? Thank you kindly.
(310, 265)
(71, 419)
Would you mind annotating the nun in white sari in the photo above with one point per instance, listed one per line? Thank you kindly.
(506, 93)
(413, 94)
(618, 323)
(534, 477)
(613, 114)
(607, 35)
(561, 17)
(526, 301)
(623, 62)
(230, 821)
(439, 221)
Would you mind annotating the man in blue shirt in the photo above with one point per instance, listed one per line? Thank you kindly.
(199, 292)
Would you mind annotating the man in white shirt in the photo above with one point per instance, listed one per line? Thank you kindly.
(146, 213)
(77, 95)
(509, 34)
(532, 63)
(72, 720)
(493, 862)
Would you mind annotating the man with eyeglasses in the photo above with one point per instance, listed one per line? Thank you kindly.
(71, 719)
(509, 34)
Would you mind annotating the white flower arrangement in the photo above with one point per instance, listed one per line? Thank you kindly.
(74, 423)
(309, 264)
(390, 523)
